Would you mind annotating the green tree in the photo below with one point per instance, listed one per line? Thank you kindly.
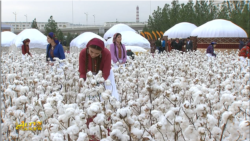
(224, 12)
(51, 26)
(34, 24)
(60, 35)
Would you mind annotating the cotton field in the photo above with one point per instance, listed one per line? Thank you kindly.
(164, 97)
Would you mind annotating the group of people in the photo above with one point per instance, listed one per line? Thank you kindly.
(93, 58)
(176, 44)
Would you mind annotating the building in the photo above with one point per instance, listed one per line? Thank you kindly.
(41, 25)
(5, 27)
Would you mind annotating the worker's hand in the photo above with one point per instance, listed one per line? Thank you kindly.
(52, 64)
(30, 55)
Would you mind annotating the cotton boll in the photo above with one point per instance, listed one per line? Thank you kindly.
(48, 109)
(190, 132)
(107, 82)
(225, 116)
(99, 119)
(72, 130)
(211, 121)
(244, 128)
(124, 112)
(57, 137)
(94, 109)
(83, 137)
(106, 95)
(216, 132)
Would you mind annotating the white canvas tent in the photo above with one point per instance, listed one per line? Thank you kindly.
(7, 38)
(37, 39)
(180, 30)
(130, 38)
(219, 28)
(80, 42)
(117, 29)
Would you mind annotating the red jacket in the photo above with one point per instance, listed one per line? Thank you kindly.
(105, 64)
(245, 52)
(25, 49)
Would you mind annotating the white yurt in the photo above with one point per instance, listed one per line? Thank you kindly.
(118, 28)
(224, 32)
(180, 30)
(130, 38)
(7, 38)
(38, 41)
(80, 42)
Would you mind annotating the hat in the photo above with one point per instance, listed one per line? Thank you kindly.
(97, 42)
(213, 43)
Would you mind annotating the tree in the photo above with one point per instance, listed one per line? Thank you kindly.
(51, 26)
(34, 24)
(60, 35)
(224, 12)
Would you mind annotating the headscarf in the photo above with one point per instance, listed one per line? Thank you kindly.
(213, 43)
(53, 36)
(97, 42)
(26, 40)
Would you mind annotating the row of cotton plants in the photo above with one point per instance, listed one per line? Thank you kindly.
(164, 97)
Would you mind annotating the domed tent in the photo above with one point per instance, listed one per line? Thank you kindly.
(130, 38)
(224, 32)
(7, 38)
(180, 30)
(117, 29)
(80, 42)
(38, 41)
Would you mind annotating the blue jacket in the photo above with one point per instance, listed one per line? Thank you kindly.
(242, 44)
(210, 49)
(58, 52)
(163, 43)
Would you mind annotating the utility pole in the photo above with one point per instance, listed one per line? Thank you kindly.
(94, 19)
(86, 18)
(26, 17)
(15, 18)
(72, 16)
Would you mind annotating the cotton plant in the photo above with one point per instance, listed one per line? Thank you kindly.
(164, 97)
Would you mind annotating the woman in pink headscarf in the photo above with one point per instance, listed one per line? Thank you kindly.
(118, 51)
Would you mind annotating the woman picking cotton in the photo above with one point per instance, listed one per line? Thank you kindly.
(96, 57)
(54, 49)
(25, 48)
(118, 51)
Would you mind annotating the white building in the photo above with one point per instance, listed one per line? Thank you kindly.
(41, 25)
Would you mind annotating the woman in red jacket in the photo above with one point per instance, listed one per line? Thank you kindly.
(96, 57)
(25, 48)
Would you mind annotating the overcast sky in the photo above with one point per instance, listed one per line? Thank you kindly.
(104, 11)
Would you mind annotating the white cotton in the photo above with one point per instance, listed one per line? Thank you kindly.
(94, 108)
(99, 119)
(211, 121)
(201, 109)
(74, 129)
(244, 128)
(225, 116)
(216, 131)
(83, 137)
(124, 112)
(57, 137)
(105, 96)
(156, 113)
(48, 109)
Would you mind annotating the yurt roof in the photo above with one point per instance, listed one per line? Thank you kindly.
(82, 40)
(117, 29)
(136, 49)
(180, 30)
(219, 28)
(37, 39)
(7, 38)
(130, 38)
